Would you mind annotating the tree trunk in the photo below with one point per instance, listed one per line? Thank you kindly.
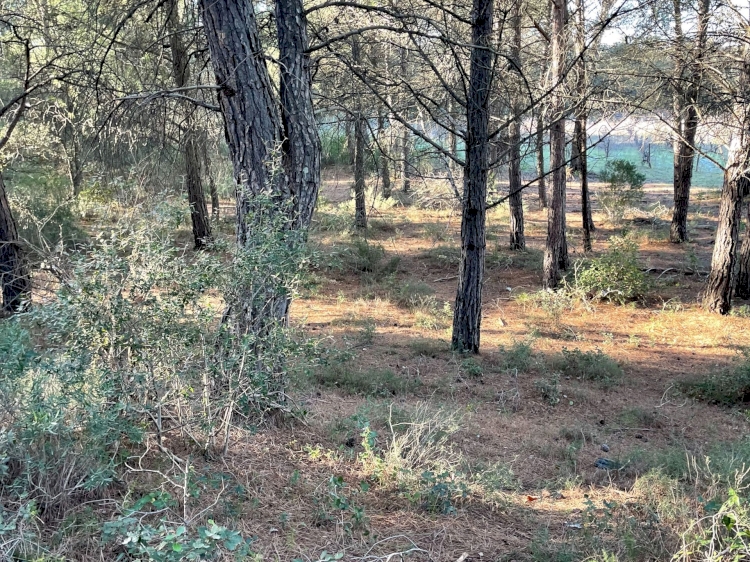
(14, 273)
(405, 139)
(586, 220)
(556, 247)
(191, 155)
(467, 316)
(579, 162)
(301, 148)
(541, 182)
(515, 201)
(358, 130)
(385, 170)
(718, 295)
(688, 120)
(213, 191)
(260, 138)
(742, 286)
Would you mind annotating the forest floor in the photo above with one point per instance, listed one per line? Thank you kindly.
(408, 448)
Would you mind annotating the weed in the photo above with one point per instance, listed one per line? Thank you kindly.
(370, 382)
(587, 365)
(549, 388)
(553, 303)
(470, 368)
(437, 232)
(639, 418)
(740, 311)
(517, 356)
(614, 276)
(412, 294)
(438, 492)
(363, 257)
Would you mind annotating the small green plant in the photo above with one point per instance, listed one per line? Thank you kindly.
(443, 256)
(369, 259)
(163, 541)
(549, 388)
(587, 365)
(623, 188)
(338, 506)
(439, 491)
(723, 534)
(614, 276)
(470, 368)
(517, 356)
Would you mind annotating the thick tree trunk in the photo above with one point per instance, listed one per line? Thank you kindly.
(718, 294)
(688, 119)
(260, 138)
(301, 147)
(191, 155)
(14, 273)
(556, 247)
(742, 285)
(541, 182)
(515, 201)
(467, 316)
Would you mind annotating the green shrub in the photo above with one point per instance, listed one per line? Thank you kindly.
(623, 188)
(587, 365)
(614, 276)
(517, 356)
(369, 259)
(549, 389)
(729, 387)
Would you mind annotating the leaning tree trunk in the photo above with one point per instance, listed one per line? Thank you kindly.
(191, 153)
(14, 273)
(515, 200)
(556, 247)
(688, 119)
(541, 182)
(276, 156)
(467, 316)
(742, 285)
(718, 294)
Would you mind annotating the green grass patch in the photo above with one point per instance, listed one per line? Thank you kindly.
(368, 382)
(587, 365)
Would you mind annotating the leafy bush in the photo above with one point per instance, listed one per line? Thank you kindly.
(132, 351)
(517, 356)
(614, 276)
(623, 188)
(361, 256)
(587, 365)
(549, 389)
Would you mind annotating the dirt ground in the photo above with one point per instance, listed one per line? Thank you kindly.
(285, 472)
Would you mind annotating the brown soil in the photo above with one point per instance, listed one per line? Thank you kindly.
(285, 470)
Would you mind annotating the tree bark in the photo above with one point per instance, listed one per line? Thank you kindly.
(275, 155)
(688, 119)
(360, 206)
(556, 247)
(467, 316)
(405, 139)
(718, 294)
(301, 146)
(14, 273)
(515, 201)
(541, 182)
(191, 155)
(385, 169)
(742, 286)
(580, 135)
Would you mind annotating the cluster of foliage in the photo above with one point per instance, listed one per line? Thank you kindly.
(623, 188)
(126, 359)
